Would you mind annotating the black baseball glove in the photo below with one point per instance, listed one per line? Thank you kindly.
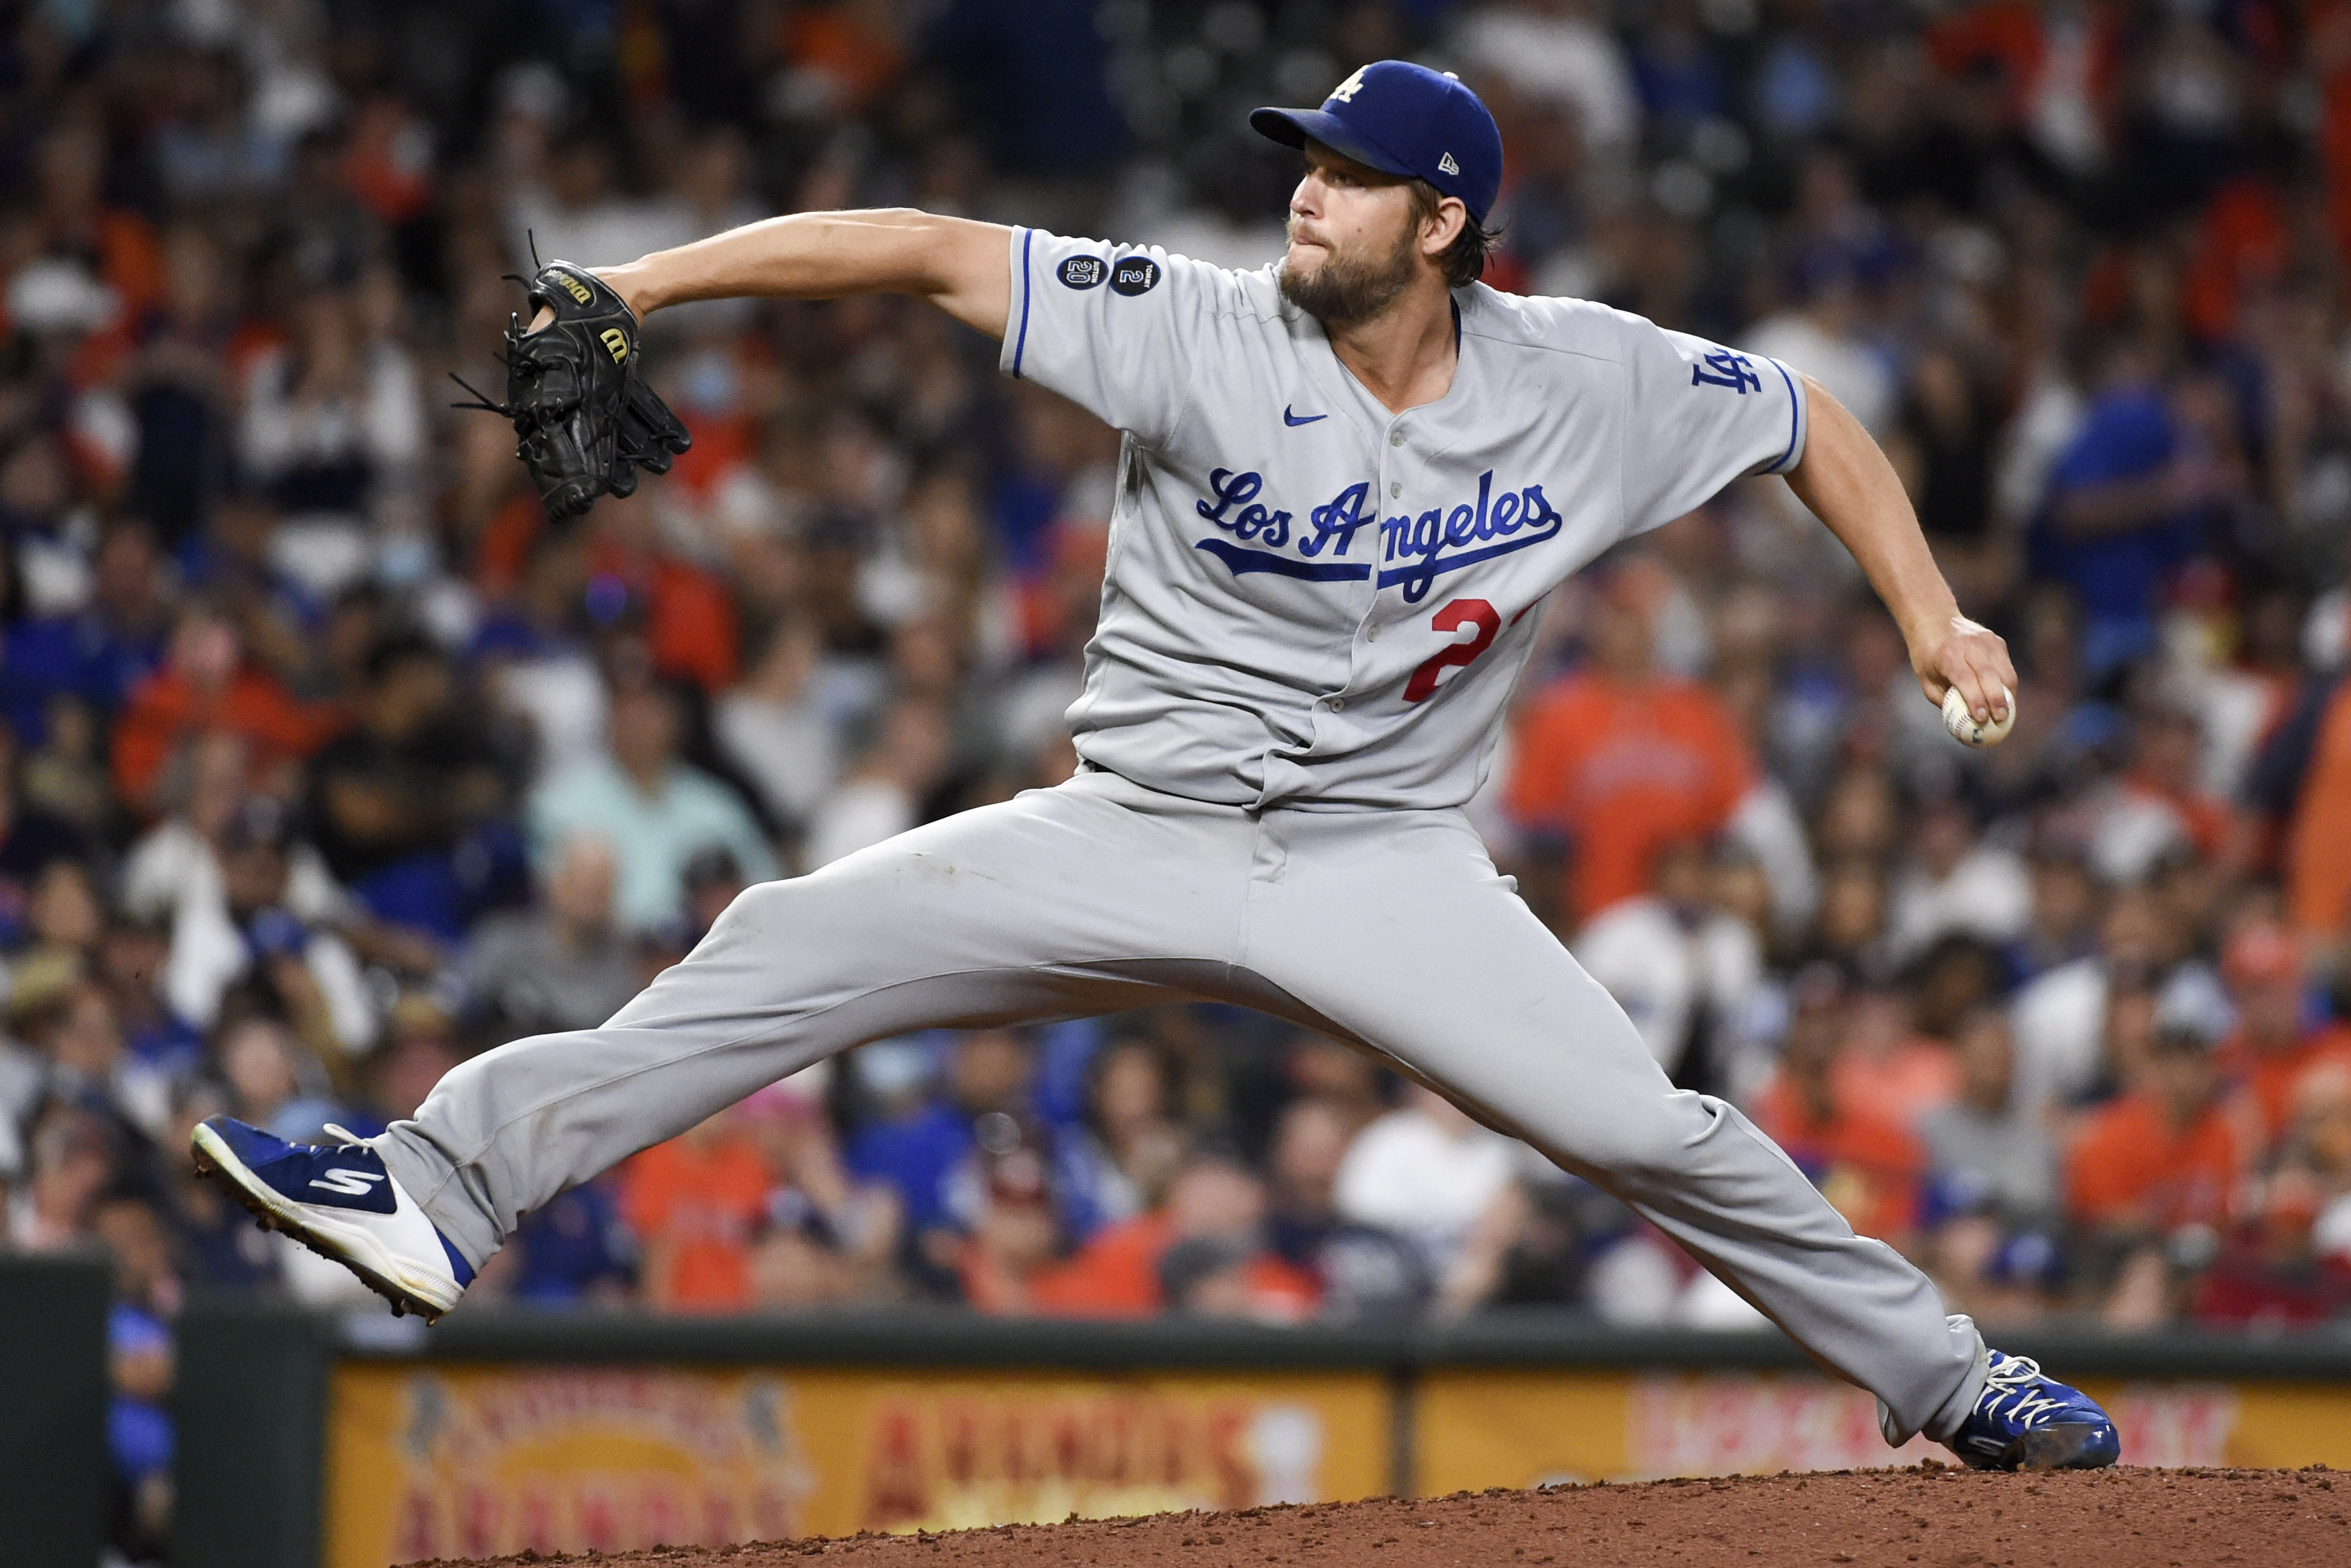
(584, 419)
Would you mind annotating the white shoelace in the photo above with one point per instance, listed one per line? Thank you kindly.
(347, 1137)
(2016, 1378)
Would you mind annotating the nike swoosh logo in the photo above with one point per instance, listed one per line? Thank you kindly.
(1289, 418)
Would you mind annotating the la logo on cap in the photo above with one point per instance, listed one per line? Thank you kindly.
(1346, 90)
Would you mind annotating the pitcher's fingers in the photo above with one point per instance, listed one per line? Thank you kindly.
(1980, 689)
(1995, 685)
(2004, 668)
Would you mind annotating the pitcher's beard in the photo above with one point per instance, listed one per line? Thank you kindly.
(1355, 288)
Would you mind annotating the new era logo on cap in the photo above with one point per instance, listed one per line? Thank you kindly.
(1449, 165)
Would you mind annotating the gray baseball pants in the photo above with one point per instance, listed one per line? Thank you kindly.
(1389, 929)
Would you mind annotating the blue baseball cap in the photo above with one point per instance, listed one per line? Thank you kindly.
(1407, 121)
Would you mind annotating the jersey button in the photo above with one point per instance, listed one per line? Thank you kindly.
(1371, 635)
(1395, 438)
(1338, 705)
(1396, 487)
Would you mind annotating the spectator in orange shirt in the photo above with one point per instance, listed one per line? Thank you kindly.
(1887, 1069)
(1214, 1199)
(1014, 1235)
(2164, 1155)
(842, 47)
(689, 616)
(696, 1203)
(2317, 850)
(1225, 1277)
(2160, 801)
(206, 685)
(1864, 1164)
(1623, 759)
(76, 219)
(2272, 1046)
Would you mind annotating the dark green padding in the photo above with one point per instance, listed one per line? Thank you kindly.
(53, 1460)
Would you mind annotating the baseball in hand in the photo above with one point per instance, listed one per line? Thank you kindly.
(1963, 726)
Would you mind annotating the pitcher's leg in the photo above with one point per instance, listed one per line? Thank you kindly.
(1022, 910)
(1402, 935)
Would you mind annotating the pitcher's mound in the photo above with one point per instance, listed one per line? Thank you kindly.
(1931, 1517)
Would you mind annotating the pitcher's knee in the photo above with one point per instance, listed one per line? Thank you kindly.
(764, 898)
(759, 909)
(1652, 1136)
(814, 919)
(795, 908)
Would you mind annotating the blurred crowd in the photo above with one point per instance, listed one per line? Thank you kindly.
(326, 762)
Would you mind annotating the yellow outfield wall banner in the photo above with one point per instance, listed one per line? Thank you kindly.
(1523, 1426)
(477, 1460)
(317, 1440)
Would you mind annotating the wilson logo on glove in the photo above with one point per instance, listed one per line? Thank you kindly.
(584, 420)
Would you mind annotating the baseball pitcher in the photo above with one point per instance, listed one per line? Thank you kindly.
(1346, 484)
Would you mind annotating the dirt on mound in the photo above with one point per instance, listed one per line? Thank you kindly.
(1940, 1517)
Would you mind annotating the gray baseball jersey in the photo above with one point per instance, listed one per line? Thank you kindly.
(1313, 601)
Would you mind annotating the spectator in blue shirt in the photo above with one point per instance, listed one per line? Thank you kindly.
(2130, 500)
(97, 652)
(141, 1363)
(926, 1152)
(574, 1251)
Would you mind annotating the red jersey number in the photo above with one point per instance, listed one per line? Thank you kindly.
(1451, 619)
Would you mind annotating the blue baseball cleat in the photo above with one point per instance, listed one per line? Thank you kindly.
(2025, 1420)
(341, 1204)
